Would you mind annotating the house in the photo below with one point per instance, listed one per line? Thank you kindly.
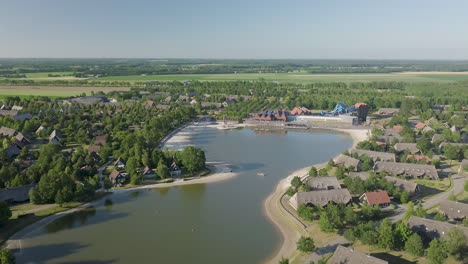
(323, 183)
(148, 104)
(22, 117)
(407, 169)
(420, 125)
(55, 137)
(379, 198)
(463, 167)
(16, 194)
(100, 140)
(147, 173)
(404, 185)
(347, 162)
(388, 111)
(436, 138)
(183, 98)
(430, 229)
(344, 255)
(427, 129)
(229, 102)
(175, 170)
(375, 155)
(454, 210)
(411, 147)
(94, 148)
(163, 107)
(269, 115)
(455, 128)
(39, 130)
(300, 111)
(8, 132)
(363, 175)
(11, 113)
(211, 105)
(389, 135)
(119, 163)
(320, 198)
(117, 177)
(89, 100)
(398, 128)
(12, 151)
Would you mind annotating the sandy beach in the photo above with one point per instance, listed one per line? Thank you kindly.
(289, 229)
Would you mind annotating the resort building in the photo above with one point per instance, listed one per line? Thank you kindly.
(269, 115)
(16, 194)
(300, 111)
(323, 183)
(375, 155)
(407, 169)
(431, 229)
(454, 210)
(347, 162)
(117, 177)
(389, 135)
(420, 125)
(119, 163)
(411, 147)
(344, 255)
(363, 175)
(175, 170)
(55, 137)
(388, 111)
(320, 198)
(403, 184)
(379, 198)
(147, 173)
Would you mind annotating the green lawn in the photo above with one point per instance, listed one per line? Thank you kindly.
(46, 74)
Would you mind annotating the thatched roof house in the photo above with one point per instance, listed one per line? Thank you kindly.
(7, 132)
(454, 210)
(405, 185)
(364, 175)
(388, 111)
(348, 162)
(375, 155)
(323, 183)
(344, 255)
(321, 198)
(431, 229)
(411, 147)
(16, 194)
(407, 169)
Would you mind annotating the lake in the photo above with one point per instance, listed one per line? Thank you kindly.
(221, 222)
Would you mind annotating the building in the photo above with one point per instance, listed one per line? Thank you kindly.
(436, 138)
(404, 185)
(100, 140)
(419, 158)
(347, 162)
(379, 198)
(342, 119)
(323, 183)
(431, 229)
(88, 100)
(320, 198)
(16, 194)
(8, 132)
(363, 175)
(463, 167)
(55, 137)
(388, 111)
(268, 115)
(411, 147)
(163, 107)
(344, 255)
(22, 117)
(148, 173)
(300, 111)
(362, 109)
(407, 169)
(420, 125)
(175, 170)
(119, 163)
(398, 128)
(375, 155)
(457, 211)
(148, 104)
(117, 178)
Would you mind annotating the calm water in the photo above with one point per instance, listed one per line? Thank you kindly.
(219, 222)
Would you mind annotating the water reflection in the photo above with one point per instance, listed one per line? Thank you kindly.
(108, 204)
(69, 221)
(162, 191)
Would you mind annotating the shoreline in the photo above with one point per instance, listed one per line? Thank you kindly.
(289, 229)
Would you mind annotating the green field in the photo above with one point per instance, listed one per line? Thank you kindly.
(52, 91)
(46, 74)
(293, 77)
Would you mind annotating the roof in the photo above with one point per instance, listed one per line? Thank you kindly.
(11, 113)
(357, 105)
(100, 140)
(435, 138)
(21, 117)
(55, 134)
(321, 198)
(323, 183)
(384, 156)
(411, 147)
(16, 194)
(114, 174)
(388, 111)
(376, 198)
(413, 170)
(344, 255)
(398, 128)
(147, 171)
(364, 175)
(406, 185)
(419, 157)
(453, 209)
(8, 132)
(94, 148)
(119, 160)
(347, 161)
(420, 125)
(433, 228)
(443, 144)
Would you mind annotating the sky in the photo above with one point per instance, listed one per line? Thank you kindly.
(244, 29)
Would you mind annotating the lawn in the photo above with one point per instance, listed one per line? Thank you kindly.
(53, 91)
(46, 74)
(293, 77)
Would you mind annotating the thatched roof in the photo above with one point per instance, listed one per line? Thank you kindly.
(323, 183)
(409, 169)
(7, 132)
(344, 255)
(411, 147)
(388, 111)
(16, 194)
(406, 185)
(432, 228)
(453, 209)
(321, 198)
(383, 156)
(347, 161)
(364, 175)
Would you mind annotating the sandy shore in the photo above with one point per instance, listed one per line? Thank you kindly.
(289, 229)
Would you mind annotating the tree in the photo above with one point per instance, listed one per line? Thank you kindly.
(313, 172)
(5, 213)
(305, 244)
(437, 251)
(296, 182)
(404, 197)
(424, 144)
(325, 223)
(456, 242)
(193, 159)
(107, 183)
(386, 235)
(283, 261)
(402, 234)
(6, 257)
(414, 245)
(162, 169)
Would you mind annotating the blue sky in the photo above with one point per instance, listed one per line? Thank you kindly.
(330, 29)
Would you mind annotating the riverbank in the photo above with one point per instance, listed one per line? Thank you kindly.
(290, 229)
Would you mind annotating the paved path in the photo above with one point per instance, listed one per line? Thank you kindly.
(458, 183)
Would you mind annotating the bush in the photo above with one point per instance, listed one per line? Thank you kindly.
(437, 251)
(414, 245)
(305, 244)
(291, 191)
(6, 257)
(5, 213)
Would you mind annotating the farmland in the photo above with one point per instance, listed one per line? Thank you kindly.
(53, 91)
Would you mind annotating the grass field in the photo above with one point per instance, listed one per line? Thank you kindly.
(294, 77)
(53, 91)
(46, 74)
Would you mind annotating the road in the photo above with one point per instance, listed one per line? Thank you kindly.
(458, 183)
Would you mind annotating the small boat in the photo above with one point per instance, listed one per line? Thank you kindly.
(261, 174)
